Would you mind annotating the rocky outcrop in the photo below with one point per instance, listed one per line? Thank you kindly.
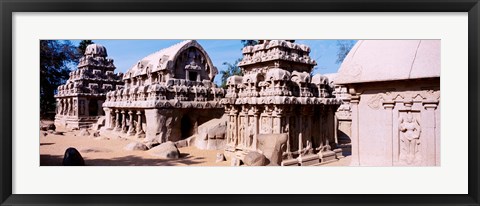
(135, 146)
(166, 150)
(211, 134)
(255, 159)
(271, 146)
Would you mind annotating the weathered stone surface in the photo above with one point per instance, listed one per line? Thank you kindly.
(235, 161)
(136, 146)
(220, 157)
(211, 134)
(84, 132)
(151, 145)
(166, 150)
(73, 158)
(181, 143)
(271, 146)
(255, 159)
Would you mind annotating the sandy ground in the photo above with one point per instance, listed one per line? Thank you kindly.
(102, 152)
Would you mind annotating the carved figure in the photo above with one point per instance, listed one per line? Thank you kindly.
(411, 130)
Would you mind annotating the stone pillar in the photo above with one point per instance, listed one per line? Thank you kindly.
(118, 119)
(255, 125)
(428, 136)
(187, 74)
(124, 122)
(155, 122)
(355, 124)
(300, 135)
(108, 118)
(388, 106)
(139, 123)
(131, 127)
(112, 119)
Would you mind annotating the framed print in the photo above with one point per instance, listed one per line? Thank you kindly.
(251, 103)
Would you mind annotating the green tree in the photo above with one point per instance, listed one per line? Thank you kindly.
(56, 58)
(232, 69)
(249, 42)
(82, 46)
(344, 46)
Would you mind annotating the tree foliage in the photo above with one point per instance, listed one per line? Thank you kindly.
(232, 69)
(56, 58)
(249, 42)
(82, 46)
(344, 46)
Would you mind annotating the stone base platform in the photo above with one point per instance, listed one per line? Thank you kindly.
(73, 122)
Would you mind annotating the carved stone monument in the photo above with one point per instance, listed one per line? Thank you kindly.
(277, 95)
(80, 99)
(395, 102)
(167, 95)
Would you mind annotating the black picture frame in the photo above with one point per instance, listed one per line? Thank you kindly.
(7, 8)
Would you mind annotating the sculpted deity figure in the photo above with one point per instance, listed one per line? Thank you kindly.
(241, 132)
(411, 130)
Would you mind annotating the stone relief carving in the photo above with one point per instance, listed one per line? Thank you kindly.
(410, 131)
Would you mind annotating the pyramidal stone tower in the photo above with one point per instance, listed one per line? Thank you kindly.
(277, 108)
(80, 99)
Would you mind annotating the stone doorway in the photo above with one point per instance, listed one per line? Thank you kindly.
(93, 108)
(186, 127)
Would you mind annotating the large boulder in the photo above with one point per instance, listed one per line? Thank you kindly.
(255, 159)
(73, 158)
(211, 134)
(136, 146)
(271, 146)
(166, 150)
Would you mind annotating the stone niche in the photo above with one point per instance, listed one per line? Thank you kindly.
(79, 101)
(394, 103)
(277, 95)
(167, 95)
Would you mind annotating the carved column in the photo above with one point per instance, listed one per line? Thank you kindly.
(429, 133)
(388, 106)
(119, 123)
(255, 125)
(300, 135)
(355, 99)
(139, 123)
(124, 122)
(112, 119)
(131, 127)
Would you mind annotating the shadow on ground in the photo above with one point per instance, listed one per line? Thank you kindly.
(130, 160)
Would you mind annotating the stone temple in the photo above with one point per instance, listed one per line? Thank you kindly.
(167, 95)
(80, 99)
(394, 88)
(278, 108)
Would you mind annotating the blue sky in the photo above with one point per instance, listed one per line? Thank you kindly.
(126, 53)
